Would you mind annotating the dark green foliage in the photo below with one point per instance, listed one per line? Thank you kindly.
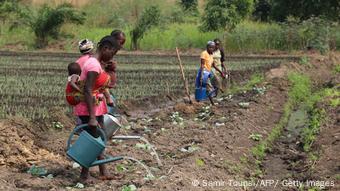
(48, 21)
(262, 10)
(7, 7)
(150, 17)
(189, 5)
(304, 9)
(313, 33)
(220, 14)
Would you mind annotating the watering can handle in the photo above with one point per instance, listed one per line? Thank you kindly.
(102, 134)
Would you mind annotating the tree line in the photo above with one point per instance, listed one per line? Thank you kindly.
(218, 15)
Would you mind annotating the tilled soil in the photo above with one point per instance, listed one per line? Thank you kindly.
(221, 140)
(209, 154)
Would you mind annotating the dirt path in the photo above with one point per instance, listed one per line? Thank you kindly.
(286, 162)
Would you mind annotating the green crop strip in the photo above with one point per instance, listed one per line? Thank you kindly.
(254, 80)
(300, 94)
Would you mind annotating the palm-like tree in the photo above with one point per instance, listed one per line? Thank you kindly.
(47, 21)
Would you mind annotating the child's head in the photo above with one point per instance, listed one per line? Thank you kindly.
(73, 68)
(119, 36)
(107, 48)
(86, 46)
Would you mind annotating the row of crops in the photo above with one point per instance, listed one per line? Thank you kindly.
(31, 85)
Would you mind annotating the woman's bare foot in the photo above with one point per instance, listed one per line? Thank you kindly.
(112, 177)
(88, 180)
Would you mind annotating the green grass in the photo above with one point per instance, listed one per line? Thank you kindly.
(300, 88)
(337, 69)
(183, 36)
(254, 80)
(337, 177)
(254, 37)
(300, 94)
(309, 133)
(317, 115)
(21, 38)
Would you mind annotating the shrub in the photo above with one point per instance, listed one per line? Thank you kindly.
(48, 21)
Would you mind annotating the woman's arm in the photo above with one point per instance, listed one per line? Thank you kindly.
(224, 69)
(217, 69)
(202, 63)
(108, 98)
(202, 67)
(222, 55)
(89, 83)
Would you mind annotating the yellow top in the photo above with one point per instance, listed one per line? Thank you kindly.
(208, 60)
(217, 57)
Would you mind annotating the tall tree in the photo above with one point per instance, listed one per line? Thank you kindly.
(220, 14)
(150, 17)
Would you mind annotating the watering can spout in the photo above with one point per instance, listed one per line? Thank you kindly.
(106, 160)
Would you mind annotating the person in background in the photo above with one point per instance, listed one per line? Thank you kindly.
(219, 70)
(207, 63)
(86, 49)
(87, 111)
(110, 66)
(119, 36)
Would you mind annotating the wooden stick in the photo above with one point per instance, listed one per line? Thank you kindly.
(183, 76)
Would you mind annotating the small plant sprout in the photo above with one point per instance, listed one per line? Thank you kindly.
(205, 113)
(149, 177)
(244, 104)
(304, 60)
(120, 168)
(199, 162)
(189, 149)
(130, 187)
(176, 118)
(259, 90)
(37, 171)
(142, 146)
(57, 125)
(255, 137)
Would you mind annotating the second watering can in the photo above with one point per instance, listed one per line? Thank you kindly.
(111, 125)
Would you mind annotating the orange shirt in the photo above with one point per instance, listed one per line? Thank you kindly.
(208, 60)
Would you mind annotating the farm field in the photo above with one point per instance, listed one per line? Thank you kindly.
(245, 138)
(275, 126)
(30, 79)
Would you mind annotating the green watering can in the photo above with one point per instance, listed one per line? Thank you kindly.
(86, 149)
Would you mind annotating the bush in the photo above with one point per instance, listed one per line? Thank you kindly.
(47, 21)
(222, 14)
